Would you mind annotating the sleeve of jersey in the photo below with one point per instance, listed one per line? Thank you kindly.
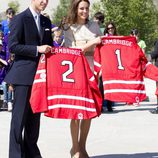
(94, 89)
(97, 61)
(38, 99)
(96, 94)
(151, 71)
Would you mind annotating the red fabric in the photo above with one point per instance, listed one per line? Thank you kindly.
(156, 93)
(123, 66)
(70, 90)
(38, 99)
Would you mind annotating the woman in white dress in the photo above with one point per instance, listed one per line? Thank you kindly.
(79, 32)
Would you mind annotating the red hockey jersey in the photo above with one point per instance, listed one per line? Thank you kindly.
(123, 64)
(65, 87)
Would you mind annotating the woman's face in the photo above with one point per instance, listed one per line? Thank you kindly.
(110, 29)
(82, 12)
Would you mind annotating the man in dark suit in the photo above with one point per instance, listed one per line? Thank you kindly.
(30, 35)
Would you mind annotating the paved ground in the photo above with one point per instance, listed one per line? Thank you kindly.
(130, 132)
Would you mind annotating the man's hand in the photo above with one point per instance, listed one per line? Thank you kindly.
(44, 49)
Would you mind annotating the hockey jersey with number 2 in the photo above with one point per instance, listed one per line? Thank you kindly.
(65, 87)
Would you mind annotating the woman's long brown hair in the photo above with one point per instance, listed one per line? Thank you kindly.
(72, 13)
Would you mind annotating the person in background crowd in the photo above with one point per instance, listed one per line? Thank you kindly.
(110, 30)
(54, 28)
(154, 56)
(3, 69)
(141, 43)
(5, 23)
(3, 63)
(27, 45)
(99, 18)
(10, 88)
(58, 40)
(7, 98)
(5, 29)
(81, 33)
(1, 36)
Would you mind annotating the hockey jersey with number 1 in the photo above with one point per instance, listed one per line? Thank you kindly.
(123, 66)
(65, 87)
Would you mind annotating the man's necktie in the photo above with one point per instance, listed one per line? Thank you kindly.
(37, 20)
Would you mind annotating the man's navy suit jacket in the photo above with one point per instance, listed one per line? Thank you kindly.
(23, 41)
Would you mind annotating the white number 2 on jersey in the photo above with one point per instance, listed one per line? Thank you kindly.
(42, 59)
(118, 54)
(68, 72)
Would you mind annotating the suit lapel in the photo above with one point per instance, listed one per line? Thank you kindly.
(31, 21)
(42, 23)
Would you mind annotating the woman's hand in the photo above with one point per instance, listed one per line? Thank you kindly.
(91, 43)
(97, 40)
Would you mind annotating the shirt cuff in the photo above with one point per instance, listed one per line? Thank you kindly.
(36, 51)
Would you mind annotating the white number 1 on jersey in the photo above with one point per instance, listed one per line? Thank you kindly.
(118, 54)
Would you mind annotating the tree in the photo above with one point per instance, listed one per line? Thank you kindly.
(15, 5)
(60, 11)
(129, 14)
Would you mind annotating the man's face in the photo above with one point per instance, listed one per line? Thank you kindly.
(39, 5)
